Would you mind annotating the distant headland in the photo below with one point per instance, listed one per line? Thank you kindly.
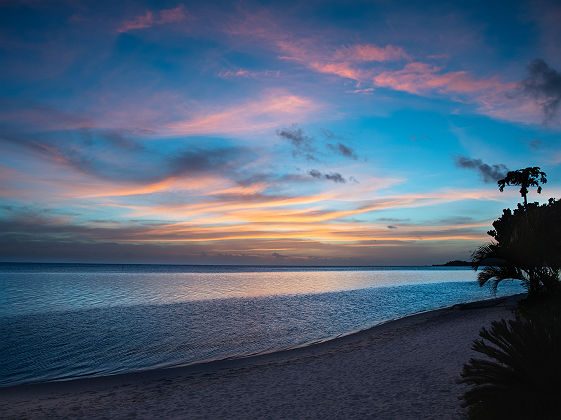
(454, 263)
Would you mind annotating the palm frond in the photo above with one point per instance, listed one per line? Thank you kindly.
(520, 376)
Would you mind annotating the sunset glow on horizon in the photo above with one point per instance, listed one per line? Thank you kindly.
(305, 133)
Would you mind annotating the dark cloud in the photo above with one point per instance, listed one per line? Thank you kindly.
(343, 150)
(536, 144)
(339, 147)
(302, 145)
(532, 143)
(94, 152)
(333, 176)
(489, 173)
(543, 84)
(195, 161)
(315, 173)
(392, 227)
(296, 136)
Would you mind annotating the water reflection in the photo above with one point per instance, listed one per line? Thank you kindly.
(106, 340)
(41, 292)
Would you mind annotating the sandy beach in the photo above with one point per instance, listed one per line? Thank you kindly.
(401, 369)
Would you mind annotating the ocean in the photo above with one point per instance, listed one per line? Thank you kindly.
(66, 321)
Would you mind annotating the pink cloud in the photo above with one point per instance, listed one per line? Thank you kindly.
(511, 107)
(344, 70)
(312, 51)
(275, 109)
(418, 77)
(369, 52)
(150, 19)
(372, 66)
(346, 62)
(173, 15)
(368, 65)
(139, 22)
(491, 96)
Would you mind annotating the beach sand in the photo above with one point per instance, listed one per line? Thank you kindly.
(404, 369)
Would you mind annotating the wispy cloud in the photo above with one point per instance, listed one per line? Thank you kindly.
(369, 52)
(392, 67)
(419, 77)
(248, 74)
(346, 62)
(275, 109)
(151, 18)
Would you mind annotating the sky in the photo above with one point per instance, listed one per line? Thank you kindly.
(271, 132)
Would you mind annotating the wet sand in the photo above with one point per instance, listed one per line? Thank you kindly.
(404, 369)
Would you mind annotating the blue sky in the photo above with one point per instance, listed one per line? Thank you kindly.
(366, 132)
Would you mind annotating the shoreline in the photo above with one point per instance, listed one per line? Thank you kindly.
(283, 370)
(212, 364)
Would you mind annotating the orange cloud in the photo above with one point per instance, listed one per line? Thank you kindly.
(351, 233)
(246, 203)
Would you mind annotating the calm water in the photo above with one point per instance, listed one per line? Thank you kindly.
(63, 321)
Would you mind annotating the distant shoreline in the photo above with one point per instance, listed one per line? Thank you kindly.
(454, 263)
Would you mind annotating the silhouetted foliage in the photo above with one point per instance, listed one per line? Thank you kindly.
(521, 374)
(527, 248)
(528, 177)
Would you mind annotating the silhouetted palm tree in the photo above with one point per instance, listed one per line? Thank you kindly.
(528, 177)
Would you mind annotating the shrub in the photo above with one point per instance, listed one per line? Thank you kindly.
(527, 246)
(521, 374)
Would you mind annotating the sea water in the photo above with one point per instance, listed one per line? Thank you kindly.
(65, 321)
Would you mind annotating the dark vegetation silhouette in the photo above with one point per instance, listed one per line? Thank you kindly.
(520, 375)
(527, 247)
(528, 177)
(527, 241)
